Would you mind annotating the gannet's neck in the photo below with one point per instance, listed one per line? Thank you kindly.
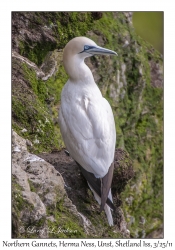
(78, 71)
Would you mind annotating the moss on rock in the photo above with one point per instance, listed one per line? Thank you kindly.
(134, 90)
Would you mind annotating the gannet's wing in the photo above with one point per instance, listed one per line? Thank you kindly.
(88, 130)
(106, 185)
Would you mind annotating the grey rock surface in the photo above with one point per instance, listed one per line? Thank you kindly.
(37, 187)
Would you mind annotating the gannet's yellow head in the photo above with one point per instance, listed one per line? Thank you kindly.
(77, 50)
(84, 46)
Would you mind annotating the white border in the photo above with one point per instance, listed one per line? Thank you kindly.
(5, 95)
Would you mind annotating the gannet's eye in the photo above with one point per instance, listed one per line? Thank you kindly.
(86, 47)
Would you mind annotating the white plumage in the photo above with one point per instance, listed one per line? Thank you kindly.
(86, 118)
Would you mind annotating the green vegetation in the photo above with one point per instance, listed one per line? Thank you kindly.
(18, 205)
(63, 26)
(65, 224)
(139, 118)
(32, 112)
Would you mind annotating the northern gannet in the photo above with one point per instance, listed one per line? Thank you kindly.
(87, 122)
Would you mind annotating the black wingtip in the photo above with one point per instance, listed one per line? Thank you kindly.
(109, 203)
(106, 186)
(95, 184)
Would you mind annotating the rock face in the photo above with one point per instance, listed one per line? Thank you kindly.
(44, 204)
(132, 83)
(39, 197)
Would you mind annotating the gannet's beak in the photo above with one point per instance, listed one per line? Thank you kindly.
(97, 50)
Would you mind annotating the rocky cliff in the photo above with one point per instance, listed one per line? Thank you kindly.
(132, 83)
